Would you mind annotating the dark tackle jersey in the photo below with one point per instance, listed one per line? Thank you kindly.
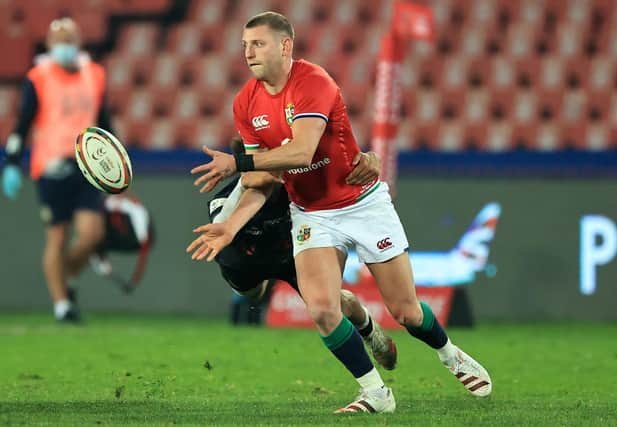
(265, 239)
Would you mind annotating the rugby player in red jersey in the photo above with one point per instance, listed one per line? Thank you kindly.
(295, 111)
(262, 249)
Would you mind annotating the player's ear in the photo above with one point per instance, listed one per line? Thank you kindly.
(287, 43)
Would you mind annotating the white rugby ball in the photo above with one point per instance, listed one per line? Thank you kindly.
(103, 160)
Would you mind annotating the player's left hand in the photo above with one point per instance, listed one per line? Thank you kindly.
(11, 181)
(213, 239)
(367, 169)
(221, 166)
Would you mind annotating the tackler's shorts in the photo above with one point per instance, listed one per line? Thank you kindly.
(243, 278)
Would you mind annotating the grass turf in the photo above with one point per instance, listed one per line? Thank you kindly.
(164, 370)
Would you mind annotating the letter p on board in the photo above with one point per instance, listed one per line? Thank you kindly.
(598, 247)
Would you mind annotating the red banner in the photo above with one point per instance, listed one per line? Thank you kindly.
(412, 21)
(409, 21)
(387, 106)
(287, 309)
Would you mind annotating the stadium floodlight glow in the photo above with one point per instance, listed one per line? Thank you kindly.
(598, 247)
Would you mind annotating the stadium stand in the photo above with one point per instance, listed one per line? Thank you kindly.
(499, 76)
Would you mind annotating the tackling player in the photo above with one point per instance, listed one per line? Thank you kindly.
(295, 110)
(262, 249)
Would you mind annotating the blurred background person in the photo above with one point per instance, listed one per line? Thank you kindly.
(61, 95)
(128, 230)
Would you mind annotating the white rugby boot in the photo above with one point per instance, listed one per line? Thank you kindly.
(373, 401)
(469, 373)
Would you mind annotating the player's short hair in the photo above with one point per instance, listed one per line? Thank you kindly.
(66, 23)
(275, 21)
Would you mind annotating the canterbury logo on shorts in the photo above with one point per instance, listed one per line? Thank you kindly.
(384, 244)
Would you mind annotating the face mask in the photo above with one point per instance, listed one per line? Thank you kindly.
(64, 54)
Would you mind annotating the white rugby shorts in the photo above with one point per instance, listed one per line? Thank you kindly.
(371, 226)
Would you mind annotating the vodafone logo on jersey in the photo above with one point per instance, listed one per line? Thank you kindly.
(261, 122)
(313, 166)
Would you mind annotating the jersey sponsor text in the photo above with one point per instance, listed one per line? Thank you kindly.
(313, 166)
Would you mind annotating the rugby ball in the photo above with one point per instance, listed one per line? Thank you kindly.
(103, 160)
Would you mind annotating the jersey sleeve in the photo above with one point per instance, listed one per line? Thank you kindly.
(243, 125)
(315, 96)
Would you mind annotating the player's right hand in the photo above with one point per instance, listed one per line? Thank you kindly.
(11, 181)
(221, 166)
(213, 239)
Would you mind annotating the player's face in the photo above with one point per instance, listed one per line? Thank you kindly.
(63, 42)
(63, 31)
(264, 51)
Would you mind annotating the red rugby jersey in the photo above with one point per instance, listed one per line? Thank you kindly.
(264, 121)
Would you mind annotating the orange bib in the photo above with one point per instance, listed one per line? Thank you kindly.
(67, 103)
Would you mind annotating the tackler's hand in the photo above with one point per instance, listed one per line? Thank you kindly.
(212, 240)
(221, 166)
(366, 171)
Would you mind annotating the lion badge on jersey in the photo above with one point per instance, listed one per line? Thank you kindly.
(290, 110)
(303, 234)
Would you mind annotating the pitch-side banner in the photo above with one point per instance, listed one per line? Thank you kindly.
(288, 310)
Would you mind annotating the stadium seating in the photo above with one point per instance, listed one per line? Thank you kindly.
(500, 75)
(138, 6)
(207, 12)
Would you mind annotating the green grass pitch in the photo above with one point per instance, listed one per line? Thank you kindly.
(166, 370)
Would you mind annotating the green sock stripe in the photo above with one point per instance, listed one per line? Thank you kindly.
(340, 335)
(429, 318)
